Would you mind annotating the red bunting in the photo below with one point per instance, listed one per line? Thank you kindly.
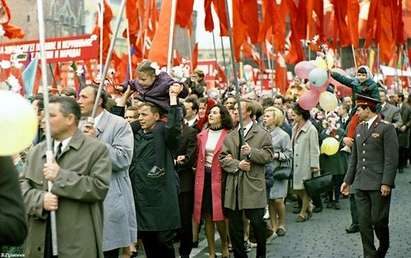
(208, 19)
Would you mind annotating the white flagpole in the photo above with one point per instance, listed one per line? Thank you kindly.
(101, 24)
(108, 60)
(129, 54)
(49, 152)
(171, 34)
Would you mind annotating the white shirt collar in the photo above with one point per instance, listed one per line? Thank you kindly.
(247, 127)
(371, 121)
(64, 144)
(191, 121)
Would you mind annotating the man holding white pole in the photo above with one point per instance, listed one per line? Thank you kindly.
(80, 174)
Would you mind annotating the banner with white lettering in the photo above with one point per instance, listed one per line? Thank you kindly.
(72, 48)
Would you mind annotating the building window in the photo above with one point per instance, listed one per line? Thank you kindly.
(28, 18)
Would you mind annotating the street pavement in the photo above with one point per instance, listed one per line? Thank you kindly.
(324, 236)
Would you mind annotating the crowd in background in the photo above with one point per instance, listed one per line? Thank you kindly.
(217, 177)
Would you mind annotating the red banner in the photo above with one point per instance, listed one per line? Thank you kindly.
(72, 48)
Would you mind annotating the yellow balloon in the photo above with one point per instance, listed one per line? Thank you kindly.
(18, 123)
(328, 101)
(320, 63)
(330, 146)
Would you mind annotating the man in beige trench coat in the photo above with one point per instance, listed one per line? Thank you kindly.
(81, 178)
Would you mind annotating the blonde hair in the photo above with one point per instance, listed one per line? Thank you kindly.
(278, 115)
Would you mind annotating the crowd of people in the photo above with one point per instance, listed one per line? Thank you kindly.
(163, 159)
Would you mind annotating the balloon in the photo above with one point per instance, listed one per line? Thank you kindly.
(303, 68)
(18, 123)
(308, 100)
(330, 146)
(320, 89)
(328, 101)
(318, 77)
(320, 63)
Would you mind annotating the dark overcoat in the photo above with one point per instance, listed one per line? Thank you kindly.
(156, 195)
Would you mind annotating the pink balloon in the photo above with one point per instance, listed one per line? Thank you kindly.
(303, 69)
(309, 99)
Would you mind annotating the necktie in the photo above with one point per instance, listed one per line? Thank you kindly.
(58, 152)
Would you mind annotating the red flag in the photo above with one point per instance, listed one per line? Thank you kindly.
(279, 30)
(281, 74)
(184, 12)
(108, 16)
(250, 52)
(340, 25)
(177, 58)
(194, 56)
(249, 15)
(159, 49)
(239, 29)
(56, 76)
(220, 74)
(372, 15)
(268, 18)
(132, 20)
(10, 31)
(208, 19)
(298, 31)
(219, 6)
(399, 27)
(353, 12)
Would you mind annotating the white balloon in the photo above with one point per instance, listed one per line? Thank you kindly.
(328, 101)
(18, 123)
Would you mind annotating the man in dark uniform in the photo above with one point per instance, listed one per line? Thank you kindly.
(371, 173)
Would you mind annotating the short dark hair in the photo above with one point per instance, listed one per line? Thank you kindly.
(68, 106)
(267, 102)
(226, 121)
(279, 97)
(362, 70)
(153, 107)
(103, 96)
(193, 101)
(69, 92)
(302, 112)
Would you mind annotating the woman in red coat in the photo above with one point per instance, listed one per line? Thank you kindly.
(209, 185)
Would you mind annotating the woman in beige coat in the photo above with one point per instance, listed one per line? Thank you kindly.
(306, 153)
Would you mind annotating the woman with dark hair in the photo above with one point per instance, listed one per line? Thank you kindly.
(209, 183)
(306, 153)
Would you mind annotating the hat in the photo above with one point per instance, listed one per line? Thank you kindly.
(367, 101)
